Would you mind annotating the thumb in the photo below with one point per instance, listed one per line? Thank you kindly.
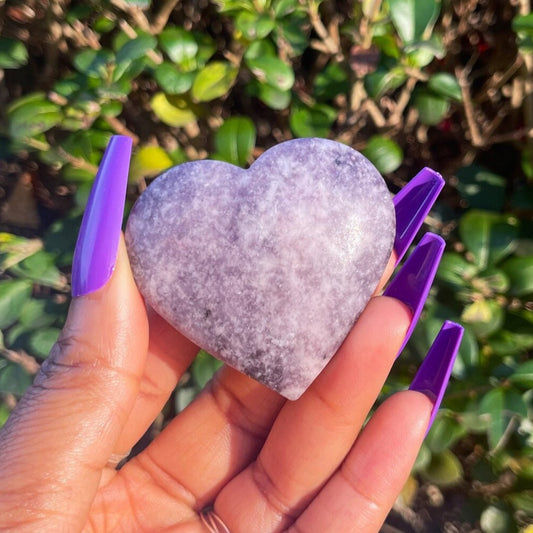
(63, 431)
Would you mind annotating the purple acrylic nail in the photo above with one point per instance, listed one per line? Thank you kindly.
(412, 283)
(96, 249)
(434, 373)
(412, 204)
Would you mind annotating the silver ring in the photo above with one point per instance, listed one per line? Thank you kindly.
(213, 522)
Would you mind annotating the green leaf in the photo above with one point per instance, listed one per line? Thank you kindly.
(489, 237)
(272, 71)
(149, 161)
(381, 81)
(331, 82)
(292, 32)
(501, 405)
(203, 368)
(173, 110)
(13, 378)
(517, 334)
(422, 53)
(4, 414)
(40, 341)
(445, 432)
(206, 48)
(523, 375)
(313, 121)
(481, 188)
(385, 153)
(213, 81)
(40, 268)
(522, 501)
(446, 85)
(484, 317)
(260, 49)
(31, 115)
(235, 140)
(111, 109)
(271, 96)
(60, 238)
(180, 46)
(13, 295)
(467, 361)
(431, 107)
(455, 271)
(422, 459)
(520, 273)
(135, 48)
(14, 249)
(254, 26)
(444, 469)
(40, 313)
(523, 23)
(496, 520)
(171, 80)
(13, 54)
(94, 63)
(413, 19)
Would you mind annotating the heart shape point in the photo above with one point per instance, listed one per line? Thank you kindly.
(266, 268)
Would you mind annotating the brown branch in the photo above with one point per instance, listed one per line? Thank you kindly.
(27, 362)
(161, 18)
(121, 129)
(473, 128)
(135, 12)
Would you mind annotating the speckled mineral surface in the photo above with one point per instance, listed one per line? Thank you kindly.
(266, 268)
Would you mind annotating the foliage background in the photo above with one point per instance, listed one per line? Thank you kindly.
(410, 83)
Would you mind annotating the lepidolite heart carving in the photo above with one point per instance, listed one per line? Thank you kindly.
(266, 268)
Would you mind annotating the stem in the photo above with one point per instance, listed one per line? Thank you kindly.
(161, 18)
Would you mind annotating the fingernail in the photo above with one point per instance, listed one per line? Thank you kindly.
(96, 249)
(434, 373)
(412, 283)
(412, 204)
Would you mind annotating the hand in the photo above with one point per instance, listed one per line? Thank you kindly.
(263, 463)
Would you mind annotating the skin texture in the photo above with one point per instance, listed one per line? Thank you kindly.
(265, 463)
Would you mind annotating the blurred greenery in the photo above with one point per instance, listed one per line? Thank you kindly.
(410, 83)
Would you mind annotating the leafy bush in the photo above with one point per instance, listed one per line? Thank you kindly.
(410, 83)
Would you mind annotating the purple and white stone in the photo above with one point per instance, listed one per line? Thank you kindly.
(266, 268)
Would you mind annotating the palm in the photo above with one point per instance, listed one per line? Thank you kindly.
(264, 463)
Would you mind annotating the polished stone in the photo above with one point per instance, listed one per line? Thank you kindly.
(266, 268)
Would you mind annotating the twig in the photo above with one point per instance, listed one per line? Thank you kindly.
(161, 18)
(121, 129)
(403, 100)
(366, 23)
(21, 358)
(475, 136)
(330, 46)
(135, 12)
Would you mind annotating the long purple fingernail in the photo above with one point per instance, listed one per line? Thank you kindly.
(412, 204)
(96, 249)
(412, 283)
(434, 373)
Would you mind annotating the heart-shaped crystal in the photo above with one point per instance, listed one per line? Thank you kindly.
(266, 268)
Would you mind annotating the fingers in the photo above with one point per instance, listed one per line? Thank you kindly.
(360, 494)
(321, 427)
(64, 429)
(169, 356)
(311, 436)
